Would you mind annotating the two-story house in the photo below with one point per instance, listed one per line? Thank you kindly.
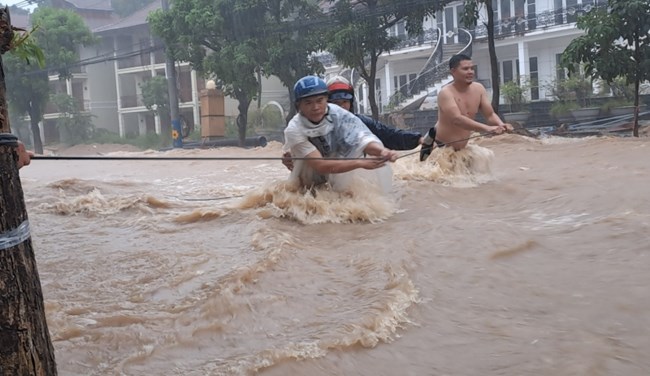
(530, 38)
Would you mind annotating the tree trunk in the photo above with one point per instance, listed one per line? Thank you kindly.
(372, 77)
(4, 113)
(36, 131)
(242, 118)
(25, 345)
(494, 64)
(292, 107)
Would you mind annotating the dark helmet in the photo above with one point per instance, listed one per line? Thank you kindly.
(309, 86)
(340, 88)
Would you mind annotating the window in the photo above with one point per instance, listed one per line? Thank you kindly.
(403, 81)
(507, 71)
(401, 29)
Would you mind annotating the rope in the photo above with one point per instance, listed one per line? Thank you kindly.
(97, 158)
(133, 158)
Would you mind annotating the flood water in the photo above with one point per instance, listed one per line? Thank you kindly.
(516, 257)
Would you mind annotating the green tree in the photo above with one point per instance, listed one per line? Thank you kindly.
(290, 53)
(615, 43)
(58, 33)
(74, 125)
(155, 95)
(126, 7)
(220, 40)
(360, 34)
(28, 93)
(471, 12)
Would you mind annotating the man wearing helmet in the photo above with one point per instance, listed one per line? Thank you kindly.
(321, 130)
(341, 93)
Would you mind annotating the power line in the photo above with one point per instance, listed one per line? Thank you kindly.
(290, 26)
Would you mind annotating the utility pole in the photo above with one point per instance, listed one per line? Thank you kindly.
(170, 68)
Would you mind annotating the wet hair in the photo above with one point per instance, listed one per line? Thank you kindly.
(455, 60)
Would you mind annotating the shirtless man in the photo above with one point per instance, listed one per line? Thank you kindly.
(458, 104)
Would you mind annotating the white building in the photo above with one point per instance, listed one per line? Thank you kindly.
(530, 37)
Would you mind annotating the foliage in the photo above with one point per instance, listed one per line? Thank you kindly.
(59, 34)
(232, 131)
(24, 47)
(561, 109)
(470, 17)
(515, 95)
(290, 55)
(126, 7)
(268, 118)
(576, 88)
(28, 92)
(75, 125)
(615, 44)
(155, 95)
(361, 35)
(395, 100)
(215, 37)
(621, 89)
(237, 42)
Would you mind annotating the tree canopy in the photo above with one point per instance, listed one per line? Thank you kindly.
(360, 34)
(616, 43)
(126, 7)
(59, 33)
(234, 41)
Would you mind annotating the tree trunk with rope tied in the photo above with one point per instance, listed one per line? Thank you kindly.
(25, 345)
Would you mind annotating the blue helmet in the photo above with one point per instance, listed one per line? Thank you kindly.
(309, 86)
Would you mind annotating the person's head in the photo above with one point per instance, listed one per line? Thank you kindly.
(341, 93)
(310, 93)
(462, 68)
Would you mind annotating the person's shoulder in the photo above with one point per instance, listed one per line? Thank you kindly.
(475, 85)
(293, 124)
(365, 118)
(446, 90)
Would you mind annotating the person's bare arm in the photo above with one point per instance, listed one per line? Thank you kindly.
(328, 166)
(447, 105)
(490, 116)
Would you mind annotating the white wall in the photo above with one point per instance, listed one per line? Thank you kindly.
(101, 87)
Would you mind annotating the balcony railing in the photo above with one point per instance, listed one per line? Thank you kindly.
(429, 36)
(142, 57)
(80, 104)
(519, 25)
(130, 101)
